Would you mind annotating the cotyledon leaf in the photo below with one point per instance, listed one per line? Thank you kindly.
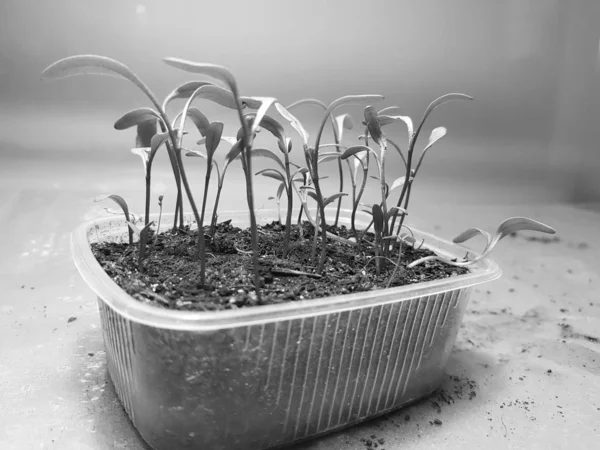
(266, 153)
(294, 122)
(135, 117)
(272, 173)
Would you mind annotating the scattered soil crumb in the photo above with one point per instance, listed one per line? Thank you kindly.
(71, 319)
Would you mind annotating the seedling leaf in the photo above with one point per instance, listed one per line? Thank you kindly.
(436, 135)
(200, 120)
(515, 224)
(118, 200)
(272, 173)
(343, 121)
(136, 117)
(234, 152)
(196, 153)
(265, 153)
(373, 125)
(333, 198)
(212, 70)
(265, 104)
(398, 182)
(280, 190)
(93, 65)
(185, 90)
(157, 140)
(213, 138)
(353, 100)
(294, 122)
(471, 233)
(145, 132)
(377, 218)
(354, 150)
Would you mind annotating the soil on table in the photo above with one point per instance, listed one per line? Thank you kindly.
(171, 272)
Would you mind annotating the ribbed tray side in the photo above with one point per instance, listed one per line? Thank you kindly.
(120, 354)
(267, 385)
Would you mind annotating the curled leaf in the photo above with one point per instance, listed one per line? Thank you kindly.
(471, 233)
(184, 91)
(353, 100)
(515, 224)
(118, 200)
(212, 70)
(265, 104)
(136, 117)
(92, 65)
(373, 126)
(343, 122)
(145, 132)
(294, 122)
(142, 152)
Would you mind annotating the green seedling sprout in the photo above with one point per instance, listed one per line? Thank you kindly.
(507, 227)
(123, 204)
(143, 235)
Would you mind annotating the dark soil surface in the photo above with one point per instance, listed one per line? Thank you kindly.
(171, 273)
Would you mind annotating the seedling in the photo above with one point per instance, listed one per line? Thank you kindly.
(160, 205)
(124, 207)
(507, 227)
(143, 235)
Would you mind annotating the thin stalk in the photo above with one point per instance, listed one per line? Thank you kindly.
(188, 191)
(213, 222)
(337, 140)
(362, 188)
(313, 251)
(160, 198)
(201, 240)
(321, 206)
(396, 266)
(147, 206)
(247, 164)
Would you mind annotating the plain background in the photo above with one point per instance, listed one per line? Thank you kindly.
(532, 66)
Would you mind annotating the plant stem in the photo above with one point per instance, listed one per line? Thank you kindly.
(190, 199)
(201, 240)
(147, 206)
(247, 165)
(396, 267)
(337, 141)
(313, 251)
(213, 222)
